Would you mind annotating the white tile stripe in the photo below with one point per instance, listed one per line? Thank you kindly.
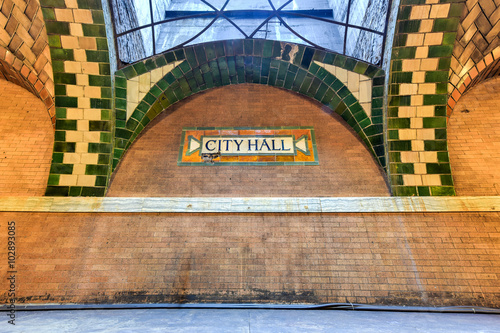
(250, 205)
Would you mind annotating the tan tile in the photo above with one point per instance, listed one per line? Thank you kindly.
(425, 111)
(70, 158)
(422, 52)
(408, 89)
(82, 147)
(420, 168)
(71, 3)
(429, 64)
(420, 12)
(74, 91)
(86, 180)
(409, 157)
(82, 125)
(406, 111)
(415, 40)
(84, 102)
(69, 42)
(407, 134)
(412, 180)
(72, 113)
(87, 43)
(89, 158)
(92, 114)
(67, 180)
(431, 180)
(426, 134)
(91, 136)
(79, 169)
(411, 65)
(418, 77)
(426, 25)
(76, 29)
(90, 67)
(427, 88)
(64, 15)
(353, 81)
(92, 92)
(82, 79)
(416, 123)
(417, 145)
(80, 55)
(433, 38)
(417, 100)
(82, 16)
(428, 156)
(73, 67)
(440, 11)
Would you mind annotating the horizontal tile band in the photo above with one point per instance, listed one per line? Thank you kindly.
(249, 205)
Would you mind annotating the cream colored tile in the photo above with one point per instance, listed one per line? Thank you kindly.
(431, 180)
(133, 91)
(417, 100)
(425, 111)
(74, 91)
(367, 107)
(415, 40)
(433, 38)
(353, 81)
(84, 102)
(428, 156)
(426, 134)
(406, 111)
(82, 147)
(411, 65)
(409, 157)
(408, 89)
(92, 92)
(71, 158)
(427, 88)
(64, 15)
(412, 180)
(145, 83)
(69, 42)
(420, 12)
(341, 74)
(156, 75)
(440, 11)
(74, 136)
(417, 145)
(79, 169)
(83, 16)
(89, 158)
(130, 109)
(86, 180)
(420, 168)
(407, 134)
(67, 180)
(82, 79)
(422, 52)
(73, 67)
(416, 123)
(80, 55)
(76, 29)
(426, 25)
(92, 114)
(72, 113)
(418, 77)
(90, 67)
(82, 125)
(92, 136)
(429, 64)
(71, 3)
(365, 91)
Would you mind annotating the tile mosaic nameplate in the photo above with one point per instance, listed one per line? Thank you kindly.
(248, 146)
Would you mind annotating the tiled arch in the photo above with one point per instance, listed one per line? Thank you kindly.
(256, 61)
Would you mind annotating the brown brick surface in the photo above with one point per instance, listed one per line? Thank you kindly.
(409, 259)
(150, 168)
(26, 140)
(474, 140)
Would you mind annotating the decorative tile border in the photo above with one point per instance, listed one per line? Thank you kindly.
(421, 56)
(308, 155)
(81, 162)
(258, 61)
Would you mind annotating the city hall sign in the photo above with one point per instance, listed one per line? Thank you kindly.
(248, 146)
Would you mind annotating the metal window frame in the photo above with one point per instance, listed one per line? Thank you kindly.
(273, 12)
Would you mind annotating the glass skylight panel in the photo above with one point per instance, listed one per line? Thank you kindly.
(317, 23)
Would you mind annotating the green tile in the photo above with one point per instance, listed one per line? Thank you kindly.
(94, 30)
(62, 169)
(57, 191)
(442, 191)
(402, 145)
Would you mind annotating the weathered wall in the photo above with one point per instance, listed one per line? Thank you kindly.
(346, 168)
(474, 140)
(24, 49)
(26, 141)
(408, 259)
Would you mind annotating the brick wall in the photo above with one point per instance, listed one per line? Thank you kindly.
(474, 140)
(24, 49)
(406, 259)
(26, 140)
(476, 53)
(346, 168)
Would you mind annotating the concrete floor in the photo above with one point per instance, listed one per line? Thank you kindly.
(215, 320)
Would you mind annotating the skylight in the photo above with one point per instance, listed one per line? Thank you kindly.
(355, 28)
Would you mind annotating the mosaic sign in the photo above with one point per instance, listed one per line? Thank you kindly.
(248, 146)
